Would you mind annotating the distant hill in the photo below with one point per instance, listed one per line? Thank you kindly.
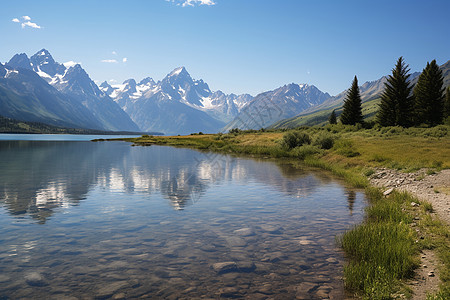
(284, 102)
(8, 125)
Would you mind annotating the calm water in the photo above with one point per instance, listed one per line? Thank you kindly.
(98, 220)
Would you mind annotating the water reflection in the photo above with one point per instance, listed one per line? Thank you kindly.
(39, 177)
(351, 198)
(112, 225)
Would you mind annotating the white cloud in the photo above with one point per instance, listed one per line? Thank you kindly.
(185, 3)
(110, 61)
(124, 60)
(112, 80)
(30, 24)
(26, 22)
(114, 53)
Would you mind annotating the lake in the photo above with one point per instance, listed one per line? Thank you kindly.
(84, 220)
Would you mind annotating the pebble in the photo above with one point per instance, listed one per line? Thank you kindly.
(388, 192)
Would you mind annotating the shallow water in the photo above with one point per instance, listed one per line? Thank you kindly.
(87, 220)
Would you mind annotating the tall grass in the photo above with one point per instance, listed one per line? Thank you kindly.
(382, 250)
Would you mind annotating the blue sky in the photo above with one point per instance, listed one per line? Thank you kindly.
(237, 46)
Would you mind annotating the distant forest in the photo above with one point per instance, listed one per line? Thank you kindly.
(8, 125)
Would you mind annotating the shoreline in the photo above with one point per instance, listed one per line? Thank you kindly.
(360, 158)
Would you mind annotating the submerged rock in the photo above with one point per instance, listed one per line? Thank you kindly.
(224, 267)
(35, 279)
(244, 232)
(110, 289)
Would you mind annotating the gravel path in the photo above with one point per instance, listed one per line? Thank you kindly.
(435, 189)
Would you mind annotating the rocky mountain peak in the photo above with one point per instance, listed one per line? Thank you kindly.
(147, 81)
(20, 61)
(43, 61)
(130, 86)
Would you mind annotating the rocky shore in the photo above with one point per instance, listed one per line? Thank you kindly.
(430, 186)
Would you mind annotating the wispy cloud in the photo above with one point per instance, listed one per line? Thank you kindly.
(26, 22)
(30, 24)
(185, 3)
(114, 53)
(124, 60)
(109, 61)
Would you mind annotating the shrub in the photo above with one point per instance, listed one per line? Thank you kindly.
(235, 130)
(304, 151)
(324, 141)
(294, 139)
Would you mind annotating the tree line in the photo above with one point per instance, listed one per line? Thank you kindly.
(402, 104)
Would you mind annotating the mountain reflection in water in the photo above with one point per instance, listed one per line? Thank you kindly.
(37, 178)
(107, 220)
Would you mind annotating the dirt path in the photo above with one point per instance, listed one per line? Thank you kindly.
(435, 189)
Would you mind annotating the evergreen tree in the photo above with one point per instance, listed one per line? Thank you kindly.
(396, 107)
(352, 113)
(332, 119)
(429, 96)
(447, 103)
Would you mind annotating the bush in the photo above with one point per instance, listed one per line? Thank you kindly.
(235, 130)
(324, 141)
(304, 151)
(294, 139)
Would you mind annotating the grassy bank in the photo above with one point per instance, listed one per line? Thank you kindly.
(384, 250)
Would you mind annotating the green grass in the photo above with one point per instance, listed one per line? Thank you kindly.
(382, 250)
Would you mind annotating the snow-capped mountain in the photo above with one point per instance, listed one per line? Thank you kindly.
(191, 103)
(74, 83)
(270, 107)
(25, 96)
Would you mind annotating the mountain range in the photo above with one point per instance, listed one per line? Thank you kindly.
(177, 104)
(72, 89)
(39, 89)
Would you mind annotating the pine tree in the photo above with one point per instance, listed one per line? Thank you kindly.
(429, 96)
(352, 113)
(447, 103)
(332, 119)
(396, 107)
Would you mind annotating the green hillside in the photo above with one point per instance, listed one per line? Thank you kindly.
(8, 125)
(369, 110)
(370, 95)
